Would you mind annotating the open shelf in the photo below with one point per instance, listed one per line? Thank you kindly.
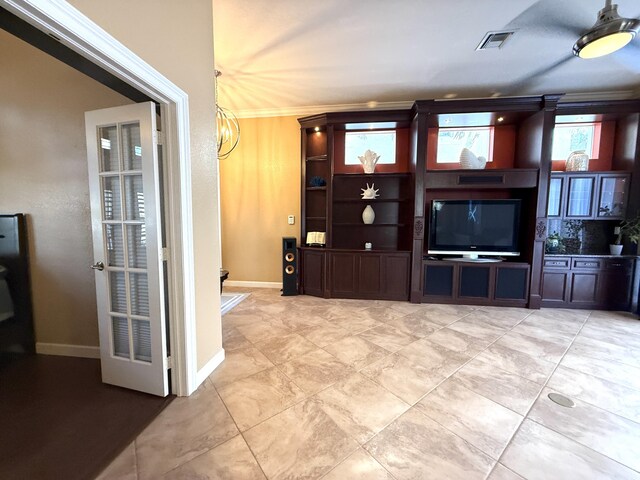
(317, 158)
(369, 225)
(372, 200)
(317, 189)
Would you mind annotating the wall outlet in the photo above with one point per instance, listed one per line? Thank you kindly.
(291, 219)
(616, 230)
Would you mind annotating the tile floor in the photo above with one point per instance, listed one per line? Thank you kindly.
(351, 389)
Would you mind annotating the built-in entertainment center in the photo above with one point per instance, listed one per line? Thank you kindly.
(422, 228)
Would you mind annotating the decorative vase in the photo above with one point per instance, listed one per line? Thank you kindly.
(369, 160)
(368, 215)
(469, 160)
(578, 161)
(615, 249)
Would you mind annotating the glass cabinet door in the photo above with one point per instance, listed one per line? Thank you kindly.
(554, 207)
(580, 197)
(612, 196)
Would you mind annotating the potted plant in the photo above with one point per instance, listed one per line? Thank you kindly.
(630, 228)
(554, 243)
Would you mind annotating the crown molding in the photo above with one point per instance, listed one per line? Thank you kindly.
(355, 107)
(591, 96)
(315, 109)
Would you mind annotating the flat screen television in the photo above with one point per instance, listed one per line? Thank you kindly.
(474, 227)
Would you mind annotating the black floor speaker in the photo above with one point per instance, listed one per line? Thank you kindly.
(289, 267)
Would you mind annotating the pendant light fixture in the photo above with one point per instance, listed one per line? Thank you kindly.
(611, 32)
(227, 127)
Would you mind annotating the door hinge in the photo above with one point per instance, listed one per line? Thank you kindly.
(169, 362)
(159, 137)
(164, 254)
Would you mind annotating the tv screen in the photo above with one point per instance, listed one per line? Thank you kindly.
(480, 227)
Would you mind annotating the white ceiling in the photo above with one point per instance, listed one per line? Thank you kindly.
(302, 56)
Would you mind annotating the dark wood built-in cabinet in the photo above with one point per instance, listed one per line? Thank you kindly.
(588, 195)
(505, 284)
(398, 265)
(605, 282)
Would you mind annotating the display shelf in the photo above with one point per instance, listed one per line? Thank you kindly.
(372, 200)
(369, 225)
(317, 158)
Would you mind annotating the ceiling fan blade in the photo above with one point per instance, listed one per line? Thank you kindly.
(522, 86)
(554, 17)
(629, 56)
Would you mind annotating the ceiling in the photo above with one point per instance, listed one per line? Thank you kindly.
(301, 57)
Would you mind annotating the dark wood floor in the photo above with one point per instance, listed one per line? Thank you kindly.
(59, 421)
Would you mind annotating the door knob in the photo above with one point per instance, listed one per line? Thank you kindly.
(98, 266)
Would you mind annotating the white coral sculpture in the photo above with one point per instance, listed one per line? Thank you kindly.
(370, 192)
(369, 160)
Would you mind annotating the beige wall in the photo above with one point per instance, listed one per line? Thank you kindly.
(176, 38)
(260, 186)
(43, 173)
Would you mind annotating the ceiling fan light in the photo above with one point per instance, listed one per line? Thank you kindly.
(610, 33)
(602, 46)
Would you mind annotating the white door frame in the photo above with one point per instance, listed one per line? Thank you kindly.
(83, 36)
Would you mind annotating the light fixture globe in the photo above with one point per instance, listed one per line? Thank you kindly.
(227, 126)
(611, 32)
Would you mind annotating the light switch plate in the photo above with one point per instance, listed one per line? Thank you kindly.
(291, 219)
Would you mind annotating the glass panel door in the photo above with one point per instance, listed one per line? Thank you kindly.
(555, 197)
(124, 181)
(580, 197)
(612, 198)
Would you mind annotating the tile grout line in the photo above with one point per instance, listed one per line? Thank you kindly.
(447, 378)
(585, 402)
(526, 416)
(239, 432)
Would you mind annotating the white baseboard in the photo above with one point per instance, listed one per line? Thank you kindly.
(84, 351)
(208, 369)
(243, 283)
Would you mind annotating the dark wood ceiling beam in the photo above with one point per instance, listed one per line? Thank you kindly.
(46, 43)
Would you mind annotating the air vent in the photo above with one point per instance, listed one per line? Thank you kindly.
(494, 40)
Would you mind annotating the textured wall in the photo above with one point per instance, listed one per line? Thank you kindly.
(260, 186)
(43, 173)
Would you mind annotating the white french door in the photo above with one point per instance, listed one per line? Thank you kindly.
(124, 180)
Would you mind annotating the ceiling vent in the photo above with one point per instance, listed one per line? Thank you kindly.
(494, 40)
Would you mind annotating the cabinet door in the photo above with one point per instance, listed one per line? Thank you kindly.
(344, 276)
(313, 273)
(556, 190)
(580, 196)
(512, 283)
(396, 277)
(612, 196)
(475, 282)
(614, 290)
(555, 286)
(438, 280)
(370, 275)
(584, 288)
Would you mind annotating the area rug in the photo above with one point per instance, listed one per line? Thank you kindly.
(59, 421)
(230, 300)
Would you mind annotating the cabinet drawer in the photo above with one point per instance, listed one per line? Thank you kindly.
(556, 262)
(587, 263)
(619, 264)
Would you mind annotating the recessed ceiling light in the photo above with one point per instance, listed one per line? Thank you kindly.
(451, 95)
(500, 119)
